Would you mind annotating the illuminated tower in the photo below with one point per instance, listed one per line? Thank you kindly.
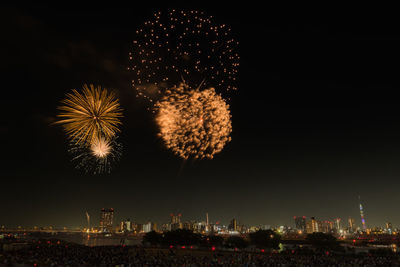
(362, 215)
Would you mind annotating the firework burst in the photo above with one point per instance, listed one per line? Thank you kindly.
(91, 115)
(98, 157)
(101, 148)
(193, 123)
(183, 45)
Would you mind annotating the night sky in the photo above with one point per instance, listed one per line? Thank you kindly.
(315, 122)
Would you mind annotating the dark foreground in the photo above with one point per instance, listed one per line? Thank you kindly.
(77, 255)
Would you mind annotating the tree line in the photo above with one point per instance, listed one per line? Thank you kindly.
(183, 237)
(262, 239)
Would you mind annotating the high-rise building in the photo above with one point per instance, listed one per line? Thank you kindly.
(165, 227)
(265, 227)
(325, 226)
(313, 226)
(188, 225)
(146, 227)
(176, 221)
(139, 228)
(199, 227)
(106, 220)
(389, 227)
(176, 218)
(233, 225)
(337, 224)
(309, 227)
(352, 226)
(300, 223)
(126, 226)
(154, 227)
(362, 216)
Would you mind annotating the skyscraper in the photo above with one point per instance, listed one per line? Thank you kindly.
(338, 227)
(154, 227)
(175, 218)
(362, 215)
(313, 226)
(233, 225)
(146, 227)
(106, 219)
(325, 226)
(300, 223)
(126, 226)
(389, 227)
(176, 221)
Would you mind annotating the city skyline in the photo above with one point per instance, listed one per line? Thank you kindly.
(107, 220)
(315, 123)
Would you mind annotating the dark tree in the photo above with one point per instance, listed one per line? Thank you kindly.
(323, 241)
(383, 252)
(265, 239)
(214, 241)
(181, 237)
(236, 242)
(153, 238)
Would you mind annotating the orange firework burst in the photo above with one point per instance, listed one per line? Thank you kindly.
(194, 123)
(90, 115)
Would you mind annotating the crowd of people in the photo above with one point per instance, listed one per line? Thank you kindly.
(77, 255)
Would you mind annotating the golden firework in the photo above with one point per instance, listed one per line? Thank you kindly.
(193, 123)
(90, 115)
(98, 157)
(100, 148)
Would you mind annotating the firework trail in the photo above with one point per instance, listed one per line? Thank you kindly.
(193, 123)
(91, 115)
(97, 157)
(183, 45)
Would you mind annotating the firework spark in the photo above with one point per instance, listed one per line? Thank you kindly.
(90, 115)
(183, 44)
(98, 157)
(193, 123)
